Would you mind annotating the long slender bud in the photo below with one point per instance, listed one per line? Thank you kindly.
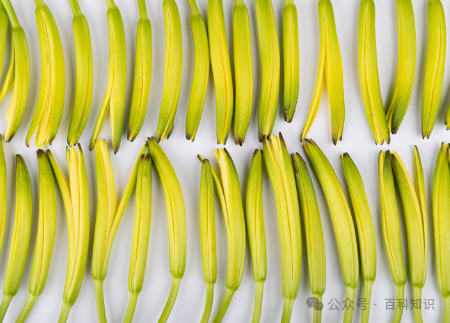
(18, 75)
(50, 105)
(315, 243)
(243, 70)
(441, 225)
(201, 72)
(108, 217)
(173, 67)
(76, 203)
(207, 235)
(142, 73)
(364, 226)
(229, 191)
(254, 218)
(21, 236)
(46, 234)
(434, 67)
(269, 52)
(291, 59)
(330, 70)
(368, 73)
(391, 229)
(114, 98)
(176, 218)
(141, 234)
(84, 75)
(220, 63)
(344, 227)
(414, 208)
(281, 173)
(406, 65)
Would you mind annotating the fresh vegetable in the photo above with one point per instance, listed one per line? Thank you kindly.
(330, 71)
(220, 63)
(141, 234)
(243, 71)
(108, 218)
(176, 218)
(117, 78)
(281, 173)
(344, 227)
(414, 208)
(291, 60)
(50, 105)
(84, 85)
(75, 195)
(269, 52)
(406, 65)
(173, 67)
(142, 73)
(441, 224)
(254, 218)
(45, 237)
(229, 192)
(21, 236)
(207, 235)
(18, 75)
(315, 243)
(364, 226)
(201, 72)
(369, 80)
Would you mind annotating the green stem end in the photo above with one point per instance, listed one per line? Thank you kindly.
(208, 303)
(100, 300)
(224, 305)
(171, 300)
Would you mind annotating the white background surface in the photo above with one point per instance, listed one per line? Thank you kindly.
(357, 141)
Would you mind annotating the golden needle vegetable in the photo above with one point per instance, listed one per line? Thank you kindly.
(3, 190)
(315, 243)
(364, 226)
(141, 234)
(176, 218)
(50, 105)
(108, 218)
(46, 234)
(368, 73)
(142, 73)
(344, 227)
(21, 236)
(18, 75)
(3, 31)
(391, 229)
(229, 192)
(435, 66)
(76, 203)
(291, 59)
(441, 224)
(281, 173)
(330, 69)
(207, 235)
(254, 217)
(201, 72)
(406, 65)
(220, 63)
(269, 52)
(84, 75)
(117, 78)
(173, 67)
(243, 70)
(414, 208)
